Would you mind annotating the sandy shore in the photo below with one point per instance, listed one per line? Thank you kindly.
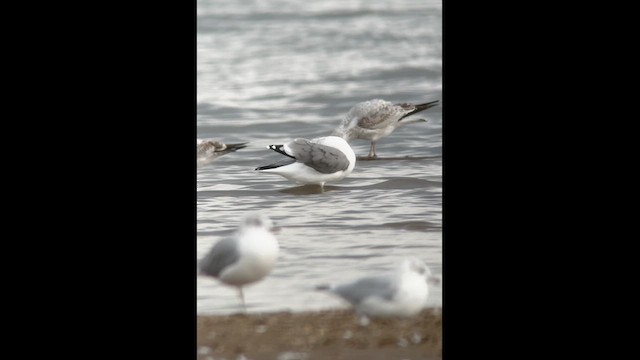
(318, 335)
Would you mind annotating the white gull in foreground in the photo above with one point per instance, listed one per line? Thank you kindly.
(209, 150)
(402, 293)
(246, 257)
(374, 119)
(315, 161)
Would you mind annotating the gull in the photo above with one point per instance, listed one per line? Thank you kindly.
(316, 161)
(402, 293)
(246, 257)
(374, 119)
(209, 150)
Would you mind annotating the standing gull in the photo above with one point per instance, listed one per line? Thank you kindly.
(402, 293)
(209, 150)
(315, 161)
(246, 257)
(374, 119)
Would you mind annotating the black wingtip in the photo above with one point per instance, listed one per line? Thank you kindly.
(280, 163)
(234, 147)
(279, 149)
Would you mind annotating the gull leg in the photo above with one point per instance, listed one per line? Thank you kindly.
(241, 294)
(372, 150)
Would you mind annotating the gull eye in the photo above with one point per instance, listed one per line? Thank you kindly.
(419, 269)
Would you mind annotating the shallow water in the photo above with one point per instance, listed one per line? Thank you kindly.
(270, 71)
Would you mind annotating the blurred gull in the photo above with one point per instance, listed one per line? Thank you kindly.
(246, 257)
(315, 161)
(374, 119)
(402, 293)
(209, 150)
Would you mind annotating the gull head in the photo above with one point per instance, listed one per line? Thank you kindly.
(259, 220)
(412, 264)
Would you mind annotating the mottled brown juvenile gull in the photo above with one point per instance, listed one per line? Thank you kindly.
(315, 161)
(209, 150)
(246, 257)
(374, 119)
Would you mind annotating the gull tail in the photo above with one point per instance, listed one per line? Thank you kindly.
(418, 107)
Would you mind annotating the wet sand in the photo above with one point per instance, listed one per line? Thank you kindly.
(318, 335)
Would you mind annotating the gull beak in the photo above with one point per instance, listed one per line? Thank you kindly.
(275, 229)
(433, 280)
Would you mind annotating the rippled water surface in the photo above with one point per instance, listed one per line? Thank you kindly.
(270, 71)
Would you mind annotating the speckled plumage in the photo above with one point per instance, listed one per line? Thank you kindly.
(209, 150)
(374, 119)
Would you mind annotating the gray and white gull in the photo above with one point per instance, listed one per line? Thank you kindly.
(315, 161)
(402, 293)
(246, 257)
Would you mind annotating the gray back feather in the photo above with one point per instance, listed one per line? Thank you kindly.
(322, 158)
(222, 255)
(372, 286)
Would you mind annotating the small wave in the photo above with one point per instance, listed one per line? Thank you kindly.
(412, 225)
(422, 226)
(433, 72)
(408, 157)
(403, 183)
(311, 189)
